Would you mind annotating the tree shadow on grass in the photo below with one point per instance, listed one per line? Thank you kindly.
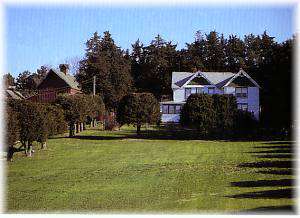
(282, 188)
(85, 137)
(284, 209)
(186, 134)
(275, 147)
(164, 133)
(91, 137)
(279, 143)
(287, 172)
(276, 151)
(286, 193)
(277, 156)
(264, 183)
(268, 164)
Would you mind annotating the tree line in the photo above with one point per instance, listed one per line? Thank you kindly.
(148, 68)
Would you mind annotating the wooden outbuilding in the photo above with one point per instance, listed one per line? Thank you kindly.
(54, 83)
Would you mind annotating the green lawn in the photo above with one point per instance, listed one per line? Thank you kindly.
(116, 172)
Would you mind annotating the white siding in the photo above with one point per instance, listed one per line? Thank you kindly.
(178, 95)
(170, 118)
(253, 101)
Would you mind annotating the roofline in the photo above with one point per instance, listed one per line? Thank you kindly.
(44, 77)
(51, 69)
(241, 71)
(196, 74)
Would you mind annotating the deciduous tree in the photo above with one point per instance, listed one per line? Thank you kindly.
(138, 109)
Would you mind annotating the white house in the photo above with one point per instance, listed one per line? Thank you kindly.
(184, 84)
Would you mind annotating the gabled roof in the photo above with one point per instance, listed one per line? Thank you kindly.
(200, 74)
(180, 78)
(69, 79)
(219, 79)
(242, 72)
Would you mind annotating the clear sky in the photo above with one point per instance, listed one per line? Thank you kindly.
(49, 35)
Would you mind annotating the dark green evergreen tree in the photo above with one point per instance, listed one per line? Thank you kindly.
(214, 52)
(156, 63)
(235, 54)
(105, 60)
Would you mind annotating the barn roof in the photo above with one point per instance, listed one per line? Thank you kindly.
(69, 79)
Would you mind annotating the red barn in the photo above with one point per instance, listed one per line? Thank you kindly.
(54, 83)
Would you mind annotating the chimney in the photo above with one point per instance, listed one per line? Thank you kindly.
(64, 68)
(195, 69)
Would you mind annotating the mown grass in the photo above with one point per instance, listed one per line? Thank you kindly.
(116, 172)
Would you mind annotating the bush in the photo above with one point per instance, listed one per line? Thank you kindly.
(77, 108)
(198, 112)
(28, 118)
(217, 115)
(36, 122)
(56, 121)
(225, 107)
(245, 124)
(12, 131)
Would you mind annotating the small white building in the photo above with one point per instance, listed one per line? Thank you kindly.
(240, 84)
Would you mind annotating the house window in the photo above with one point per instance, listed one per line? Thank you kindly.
(177, 109)
(241, 92)
(171, 109)
(211, 90)
(165, 109)
(243, 106)
(199, 90)
(187, 92)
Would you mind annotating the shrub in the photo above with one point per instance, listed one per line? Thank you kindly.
(28, 118)
(245, 124)
(12, 131)
(217, 115)
(198, 112)
(56, 121)
(225, 107)
(78, 107)
(36, 122)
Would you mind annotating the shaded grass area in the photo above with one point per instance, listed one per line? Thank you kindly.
(99, 171)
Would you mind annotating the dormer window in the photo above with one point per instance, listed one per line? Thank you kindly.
(241, 92)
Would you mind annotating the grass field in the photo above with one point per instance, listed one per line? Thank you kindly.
(116, 172)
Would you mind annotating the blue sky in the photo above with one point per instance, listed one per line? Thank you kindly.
(49, 35)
